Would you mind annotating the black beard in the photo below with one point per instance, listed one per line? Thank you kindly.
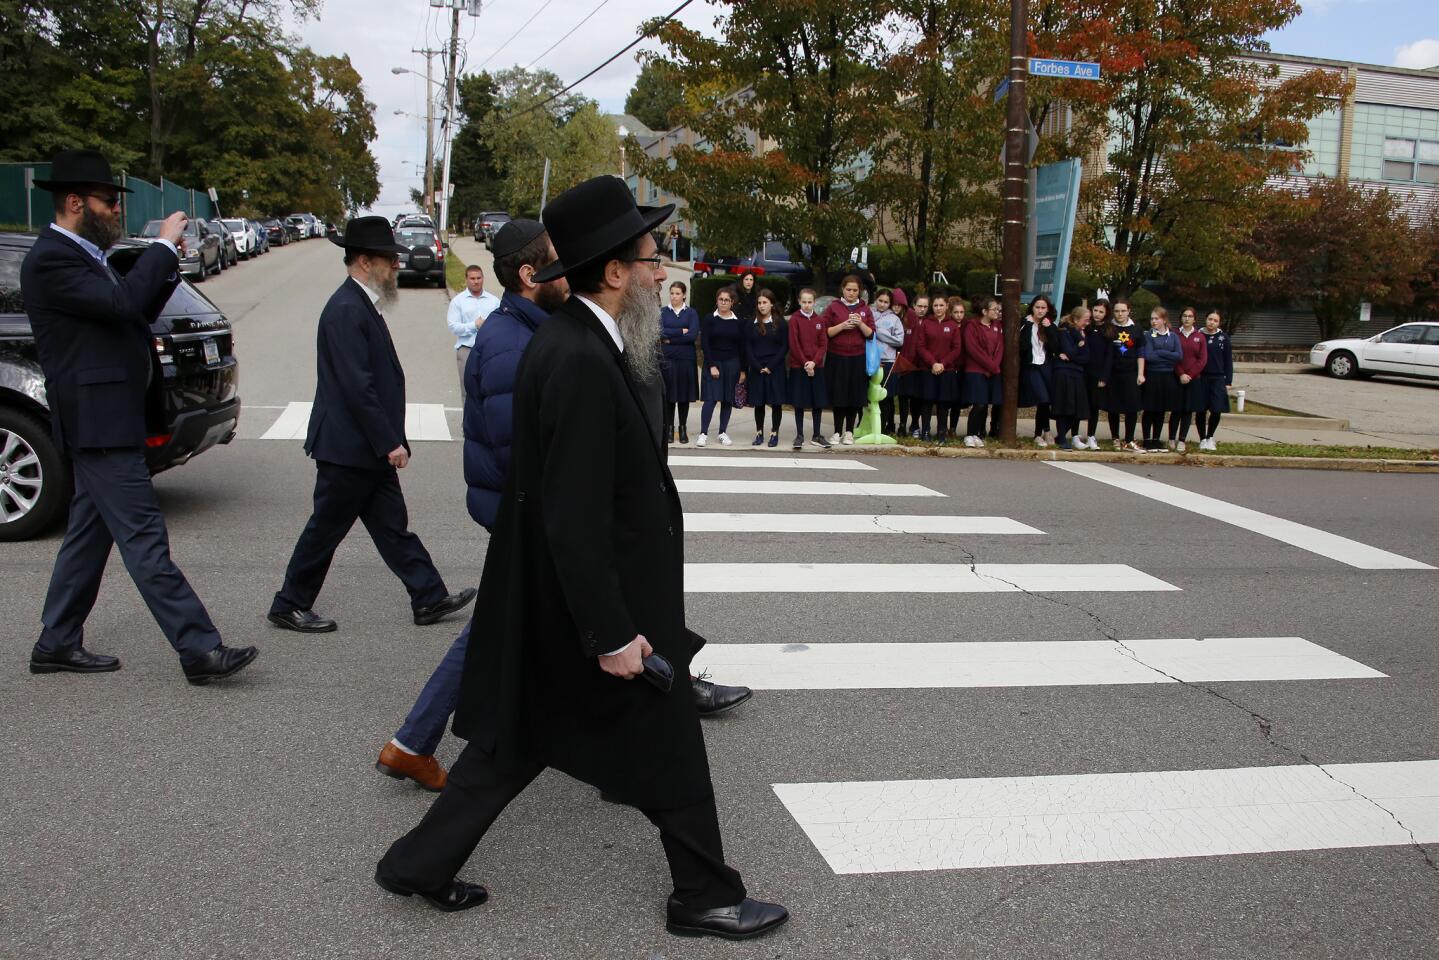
(101, 231)
(550, 296)
(639, 323)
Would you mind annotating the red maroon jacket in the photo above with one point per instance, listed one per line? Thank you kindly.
(984, 348)
(1196, 353)
(909, 350)
(940, 341)
(807, 339)
(850, 343)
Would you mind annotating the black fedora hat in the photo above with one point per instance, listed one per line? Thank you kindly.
(588, 221)
(370, 235)
(71, 168)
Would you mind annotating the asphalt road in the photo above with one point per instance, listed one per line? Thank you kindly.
(145, 818)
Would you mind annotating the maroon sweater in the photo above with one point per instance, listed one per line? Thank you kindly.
(983, 348)
(849, 343)
(940, 341)
(1196, 353)
(807, 339)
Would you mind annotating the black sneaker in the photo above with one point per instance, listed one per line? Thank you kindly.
(798, 442)
(821, 441)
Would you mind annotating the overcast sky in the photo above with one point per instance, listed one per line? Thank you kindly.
(379, 35)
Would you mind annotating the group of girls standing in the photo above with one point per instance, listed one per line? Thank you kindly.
(949, 361)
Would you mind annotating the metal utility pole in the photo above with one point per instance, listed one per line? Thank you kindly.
(429, 129)
(1016, 186)
(449, 126)
(545, 187)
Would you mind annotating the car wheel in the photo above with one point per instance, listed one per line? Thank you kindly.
(35, 480)
(200, 277)
(1343, 365)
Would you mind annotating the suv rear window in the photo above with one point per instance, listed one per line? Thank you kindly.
(415, 238)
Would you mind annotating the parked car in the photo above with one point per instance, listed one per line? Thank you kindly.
(295, 227)
(772, 258)
(245, 242)
(193, 402)
(489, 224)
(426, 259)
(204, 250)
(313, 225)
(1410, 350)
(262, 236)
(279, 236)
(232, 251)
(416, 220)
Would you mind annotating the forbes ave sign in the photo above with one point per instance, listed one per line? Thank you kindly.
(1072, 69)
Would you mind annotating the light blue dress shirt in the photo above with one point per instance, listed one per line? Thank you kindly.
(465, 309)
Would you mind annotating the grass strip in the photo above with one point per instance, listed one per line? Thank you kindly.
(454, 269)
(1317, 451)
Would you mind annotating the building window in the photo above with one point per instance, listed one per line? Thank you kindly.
(1411, 161)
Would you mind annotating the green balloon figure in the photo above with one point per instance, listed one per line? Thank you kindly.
(869, 422)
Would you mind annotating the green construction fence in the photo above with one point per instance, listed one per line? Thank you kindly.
(32, 209)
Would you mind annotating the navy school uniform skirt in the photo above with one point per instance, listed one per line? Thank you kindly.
(983, 390)
(1216, 395)
(1192, 396)
(1161, 392)
(941, 388)
(806, 392)
(723, 388)
(1070, 397)
(1098, 396)
(766, 389)
(1034, 385)
(681, 380)
(1123, 394)
(909, 384)
(846, 381)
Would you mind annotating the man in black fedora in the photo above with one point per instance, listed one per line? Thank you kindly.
(357, 437)
(92, 332)
(583, 592)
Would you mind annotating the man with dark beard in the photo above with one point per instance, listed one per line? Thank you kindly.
(357, 437)
(583, 593)
(92, 333)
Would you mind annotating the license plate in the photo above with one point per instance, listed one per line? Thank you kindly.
(212, 352)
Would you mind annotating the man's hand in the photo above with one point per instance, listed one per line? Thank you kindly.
(629, 662)
(399, 457)
(173, 228)
(479, 322)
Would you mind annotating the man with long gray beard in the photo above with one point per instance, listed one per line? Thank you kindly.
(583, 593)
(357, 437)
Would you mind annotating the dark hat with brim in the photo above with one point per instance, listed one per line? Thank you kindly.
(79, 168)
(369, 235)
(590, 220)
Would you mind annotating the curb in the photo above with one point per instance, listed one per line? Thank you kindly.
(1266, 421)
(1109, 456)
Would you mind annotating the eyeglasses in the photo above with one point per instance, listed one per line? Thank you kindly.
(655, 261)
(110, 200)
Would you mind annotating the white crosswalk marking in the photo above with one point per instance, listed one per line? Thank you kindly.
(805, 488)
(932, 578)
(895, 825)
(850, 523)
(762, 462)
(1040, 663)
(423, 421)
(291, 424)
(1321, 542)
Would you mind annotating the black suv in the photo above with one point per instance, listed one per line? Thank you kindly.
(426, 259)
(193, 403)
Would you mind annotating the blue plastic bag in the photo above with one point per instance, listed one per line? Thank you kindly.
(872, 352)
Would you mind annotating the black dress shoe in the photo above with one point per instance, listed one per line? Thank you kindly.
(684, 435)
(438, 611)
(219, 663)
(713, 699)
(302, 621)
(746, 919)
(456, 895)
(75, 660)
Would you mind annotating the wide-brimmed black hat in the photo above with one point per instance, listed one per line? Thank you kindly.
(73, 168)
(370, 235)
(588, 221)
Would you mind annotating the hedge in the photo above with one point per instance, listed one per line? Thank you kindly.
(703, 290)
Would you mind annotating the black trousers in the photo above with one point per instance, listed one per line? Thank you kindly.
(342, 496)
(433, 853)
(115, 504)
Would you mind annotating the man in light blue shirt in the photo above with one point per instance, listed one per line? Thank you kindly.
(467, 312)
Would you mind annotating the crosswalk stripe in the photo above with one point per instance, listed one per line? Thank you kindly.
(894, 825)
(1320, 542)
(1039, 663)
(423, 421)
(850, 523)
(917, 578)
(806, 487)
(768, 463)
(291, 424)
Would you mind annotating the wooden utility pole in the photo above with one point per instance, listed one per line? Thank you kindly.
(429, 129)
(1016, 187)
(449, 127)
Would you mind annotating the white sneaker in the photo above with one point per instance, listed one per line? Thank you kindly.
(1041, 442)
(847, 439)
(1208, 444)
(1179, 447)
(979, 441)
(1092, 444)
(724, 439)
(701, 440)
(1172, 445)
(835, 438)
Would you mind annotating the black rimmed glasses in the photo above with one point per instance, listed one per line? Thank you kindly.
(655, 261)
(108, 199)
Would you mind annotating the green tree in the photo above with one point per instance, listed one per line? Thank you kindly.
(657, 92)
(478, 179)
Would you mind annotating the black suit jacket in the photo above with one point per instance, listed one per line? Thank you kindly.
(587, 552)
(359, 411)
(92, 332)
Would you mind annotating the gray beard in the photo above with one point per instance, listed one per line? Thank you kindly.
(101, 231)
(639, 323)
(389, 291)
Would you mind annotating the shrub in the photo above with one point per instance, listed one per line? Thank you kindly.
(979, 283)
(1141, 302)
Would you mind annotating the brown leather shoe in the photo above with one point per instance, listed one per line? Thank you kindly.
(424, 770)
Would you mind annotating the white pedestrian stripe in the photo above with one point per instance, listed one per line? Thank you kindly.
(423, 421)
(806, 487)
(1039, 663)
(850, 523)
(1320, 542)
(894, 825)
(762, 462)
(930, 578)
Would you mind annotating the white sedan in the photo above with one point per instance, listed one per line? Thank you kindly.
(1410, 350)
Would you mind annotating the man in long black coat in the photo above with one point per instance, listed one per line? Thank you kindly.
(584, 578)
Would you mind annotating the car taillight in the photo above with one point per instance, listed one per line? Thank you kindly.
(160, 346)
(159, 440)
(439, 253)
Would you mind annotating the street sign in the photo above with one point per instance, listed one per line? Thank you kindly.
(1071, 69)
(1001, 90)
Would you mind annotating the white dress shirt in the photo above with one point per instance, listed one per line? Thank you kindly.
(464, 310)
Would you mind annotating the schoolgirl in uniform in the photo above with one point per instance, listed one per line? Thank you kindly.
(765, 344)
(889, 331)
(1096, 372)
(983, 355)
(909, 385)
(1070, 396)
(1036, 364)
(1121, 394)
(848, 323)
(1217, 377)
(1158, 358)
(808, 347)
(1190, 371)
(679, 329)
(745, 297)
(721, 339)
(939, 352)
(958, 313)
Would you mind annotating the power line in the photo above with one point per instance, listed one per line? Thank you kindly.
(515, 34)
(567, 35)
(626, 49)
